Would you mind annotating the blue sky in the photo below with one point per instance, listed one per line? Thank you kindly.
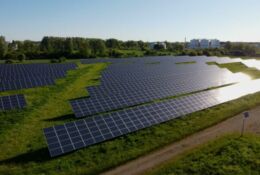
(148, 20)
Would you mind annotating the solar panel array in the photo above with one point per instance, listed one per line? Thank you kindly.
(103, 103)
(12, 102)
(133, 82)
(71, 136)
(22, 76)
(129, 91)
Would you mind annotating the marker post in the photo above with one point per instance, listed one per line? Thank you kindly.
(246, 115)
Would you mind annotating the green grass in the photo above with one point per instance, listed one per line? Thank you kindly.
(24, 151)
(188, 62)
(132, 53)
(232, 155)
(239, 67)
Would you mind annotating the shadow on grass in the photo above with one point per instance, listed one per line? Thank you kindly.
(37, 156)
(68, 117)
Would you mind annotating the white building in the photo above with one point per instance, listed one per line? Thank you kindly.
(214, 43)
(195, 43)
(204, 44)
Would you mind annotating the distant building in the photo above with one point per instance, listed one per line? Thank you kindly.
(204, 44)
(162, 44)
(194, 44)
(214, 43)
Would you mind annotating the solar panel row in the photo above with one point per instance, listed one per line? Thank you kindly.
(71, 136)
(12, 102)
(20, 76)
(24, 84)
(91, 106)
(9, 76)
(162, 82)
(131, 82)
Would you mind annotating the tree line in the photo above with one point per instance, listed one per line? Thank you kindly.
(77, 47)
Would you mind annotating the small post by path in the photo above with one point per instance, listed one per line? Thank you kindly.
(245, 116)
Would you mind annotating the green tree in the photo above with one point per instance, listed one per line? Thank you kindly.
(112, 43)
(68, 46)
(21, 57)
(46, 44)
(98, 47)
(228, 45)
(84, 48)
(142, 45)
(3, 47)
(131, 45)
(158, 46)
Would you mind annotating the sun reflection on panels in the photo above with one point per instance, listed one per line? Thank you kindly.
(236, 91)
(240, 77)
(252, 63)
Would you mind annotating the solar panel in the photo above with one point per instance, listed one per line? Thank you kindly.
(90, 106)
(25, 83)
(134, 83)
(71, 136)
(97, 129)
(131, 82)
(12, 102)
(20, 76)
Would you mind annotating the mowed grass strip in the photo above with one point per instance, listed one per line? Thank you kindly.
(239, 67)
(33, 158)
(230, 154)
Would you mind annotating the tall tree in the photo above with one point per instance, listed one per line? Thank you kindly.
(112, 43)
(3, 47)
(46, 44)
(84, 48)
(68, 48)
(98, 47)
(131, 45)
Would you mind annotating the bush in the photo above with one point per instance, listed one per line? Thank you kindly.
(62, 59)
(10, 56)
(192, 53)
(21, 57)
(116, 53)
(207, 53)
(54, 61)
(59, 60)
(9, 61)
(150, 53)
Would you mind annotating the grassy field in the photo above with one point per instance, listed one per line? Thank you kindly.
(189, 62)
(229, 155)
(24, 151)
(239, 67)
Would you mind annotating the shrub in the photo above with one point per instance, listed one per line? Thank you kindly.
(9, 61)
(21, 57)
(10, 56)
(150, 53)
(62, 59)
(116, 53)
(192, 53)
(54, 61)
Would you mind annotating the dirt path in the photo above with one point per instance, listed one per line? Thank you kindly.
(234, 124)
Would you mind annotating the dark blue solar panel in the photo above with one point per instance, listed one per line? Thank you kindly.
(131, 82)
(25, 83)
(12, 102)
(82, 133)
(20, 76)
(106, 99)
